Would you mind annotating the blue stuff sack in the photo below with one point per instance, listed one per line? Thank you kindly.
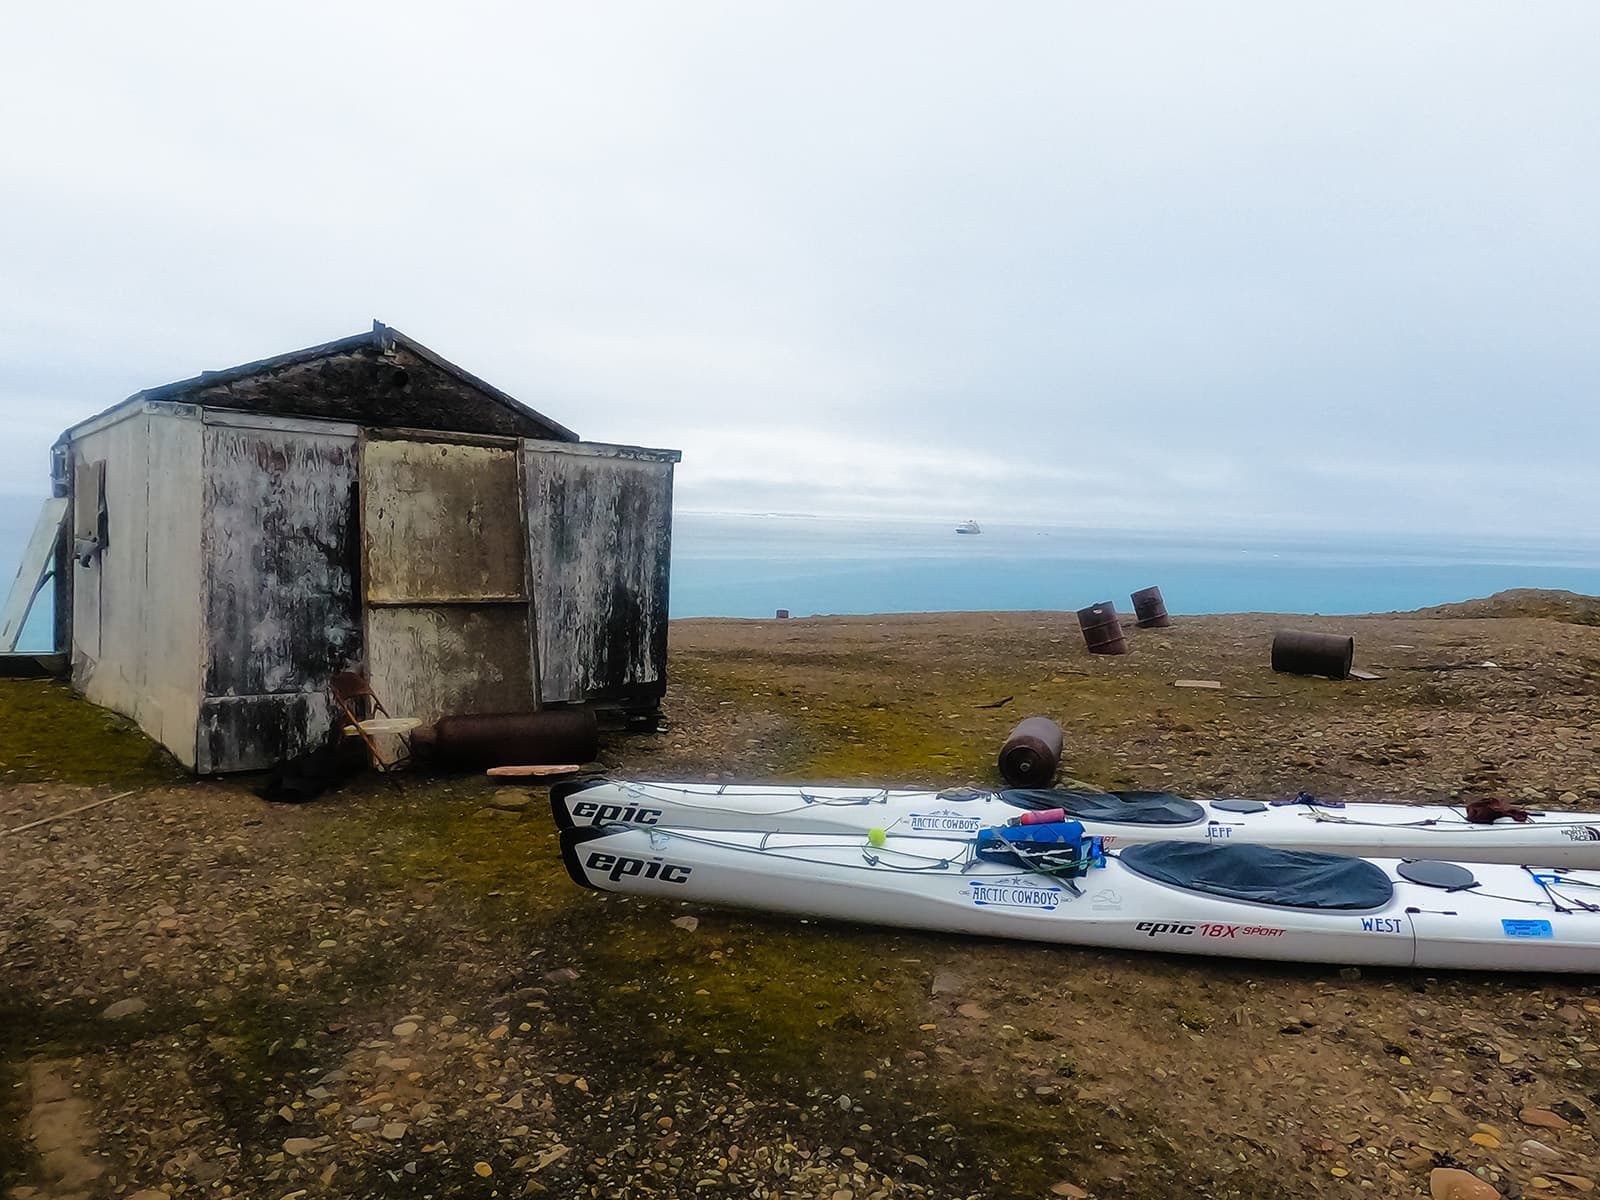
(1058, 848)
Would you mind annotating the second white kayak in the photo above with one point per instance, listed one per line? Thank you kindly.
(1547, 839)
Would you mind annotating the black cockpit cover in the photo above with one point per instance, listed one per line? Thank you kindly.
(1263, 875)
(1125, 808)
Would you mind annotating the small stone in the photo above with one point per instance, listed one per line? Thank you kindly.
(510, 800)
(1451, 1183)
(482, 1169)
(1440, 1095)
(364, 1124)
(297, 1146)
(124, 1008)
(1569, 1110)
(973, 1012)
(1580, 1183)
(153, 1194)
(844, 1194)
(687, 924)
(393, 1131)
(405, 1029)
(1071, 1190)
(1487, 1140)
(1543, 1118)
(562, 975)
(1533, 1149)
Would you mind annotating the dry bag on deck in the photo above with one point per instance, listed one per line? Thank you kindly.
(1058, 848)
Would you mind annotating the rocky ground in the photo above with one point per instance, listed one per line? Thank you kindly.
(400, 993)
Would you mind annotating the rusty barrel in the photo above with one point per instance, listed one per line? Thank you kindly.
(1296, 652)
(1032, 753)
(1102, 632)
(1150, 608)
(555, 735)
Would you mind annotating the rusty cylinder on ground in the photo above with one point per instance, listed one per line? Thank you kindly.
(1150, 608)
(1297, 652)
(552, 736)
(1032, 753)
(1102, 632)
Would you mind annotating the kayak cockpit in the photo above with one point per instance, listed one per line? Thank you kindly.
(1119, 808)
(1263, 874)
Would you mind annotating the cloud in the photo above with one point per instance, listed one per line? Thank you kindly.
(1314, 266)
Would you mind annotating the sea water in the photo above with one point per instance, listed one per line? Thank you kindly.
(727, 565)
(750, 566)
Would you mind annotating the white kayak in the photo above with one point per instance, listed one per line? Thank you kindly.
(1548, 839)
(1237, 901)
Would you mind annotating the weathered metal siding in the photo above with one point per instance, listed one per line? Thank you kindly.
(600, 544)
(281, 615)
(429, 661)
(136, 607)
(443, 577)
(440, 523)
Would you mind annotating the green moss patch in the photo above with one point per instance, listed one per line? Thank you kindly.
(53, 735)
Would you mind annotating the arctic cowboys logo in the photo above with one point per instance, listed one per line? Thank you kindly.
(944, 820)
(1020, 891)
(619, 866)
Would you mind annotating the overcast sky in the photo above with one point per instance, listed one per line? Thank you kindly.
(1322, 266)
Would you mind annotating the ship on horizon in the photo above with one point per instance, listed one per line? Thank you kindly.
(968, 527)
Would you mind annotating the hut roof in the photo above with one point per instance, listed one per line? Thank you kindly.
(381, 378)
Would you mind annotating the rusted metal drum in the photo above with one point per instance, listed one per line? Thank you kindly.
(556, 735)
(1296, 652)
(1102, 632)
(1032, 753)
(1150, 608)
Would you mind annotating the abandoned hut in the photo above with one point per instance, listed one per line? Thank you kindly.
(234, 540)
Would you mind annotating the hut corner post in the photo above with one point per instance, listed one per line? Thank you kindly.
(61, 585)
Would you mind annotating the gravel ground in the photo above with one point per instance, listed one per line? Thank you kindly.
(401, 993)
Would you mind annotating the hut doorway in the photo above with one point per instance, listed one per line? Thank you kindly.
(447, 618)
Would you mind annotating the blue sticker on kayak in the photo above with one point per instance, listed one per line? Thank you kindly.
(1534, 929)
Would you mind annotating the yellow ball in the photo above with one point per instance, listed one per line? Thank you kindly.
(876, 837)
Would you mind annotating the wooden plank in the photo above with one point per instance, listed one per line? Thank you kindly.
(38, 560)
(600, 539)
(532, 772)
(439, 522)
(431, 661)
